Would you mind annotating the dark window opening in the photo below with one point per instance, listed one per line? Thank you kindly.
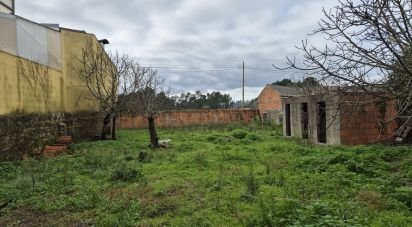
(287, 115)
(305, 121)
(321, 122)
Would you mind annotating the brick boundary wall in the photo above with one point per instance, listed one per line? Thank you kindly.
(175, 119)
(359, 124)
(19, 134)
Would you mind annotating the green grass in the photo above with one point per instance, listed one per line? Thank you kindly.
(211, 177)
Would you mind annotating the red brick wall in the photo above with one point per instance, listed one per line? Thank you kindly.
(172, 119)
(360, 124)
(269, 100)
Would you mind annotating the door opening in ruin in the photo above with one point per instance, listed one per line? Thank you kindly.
(287, 116)
(305, 120)
(265, 118)
(321, 122)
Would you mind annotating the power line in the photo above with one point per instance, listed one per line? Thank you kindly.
(193, 70)
(215, 68)
(191, 66)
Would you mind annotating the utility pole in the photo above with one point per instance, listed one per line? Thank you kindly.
(243, 86)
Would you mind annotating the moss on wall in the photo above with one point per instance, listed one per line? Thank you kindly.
(22, 134)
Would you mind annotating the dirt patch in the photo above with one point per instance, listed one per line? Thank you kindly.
(26, 216)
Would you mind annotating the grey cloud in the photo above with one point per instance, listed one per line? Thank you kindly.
(193, 32)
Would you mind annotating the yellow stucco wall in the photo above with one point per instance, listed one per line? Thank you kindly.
(10, 91)
(77, 98)
(66, 92)
(46, 98)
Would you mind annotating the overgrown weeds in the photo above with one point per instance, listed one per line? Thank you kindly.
(213, 176)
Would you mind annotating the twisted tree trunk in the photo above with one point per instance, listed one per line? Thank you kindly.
(154, 141)
(106, 122)
(114, 127)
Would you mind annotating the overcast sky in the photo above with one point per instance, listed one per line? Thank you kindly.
(195, 44)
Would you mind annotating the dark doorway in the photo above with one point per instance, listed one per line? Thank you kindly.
(305, 120)
(287, 115)
(265, 118)
(321, 122)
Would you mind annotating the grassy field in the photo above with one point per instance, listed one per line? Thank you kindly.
(211, 177)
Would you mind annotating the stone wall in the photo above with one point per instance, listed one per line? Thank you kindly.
(21, 134)
(172, 119)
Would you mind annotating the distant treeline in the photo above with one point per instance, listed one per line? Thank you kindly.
(199, 100)
(308, 81)
(213, 100)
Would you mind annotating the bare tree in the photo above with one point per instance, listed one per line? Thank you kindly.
(37, 77)
(150, 100)
(368, 53)
(106, 76)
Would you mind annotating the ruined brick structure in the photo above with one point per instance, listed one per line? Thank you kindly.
(269, 102)
(362, 124)
(338, 119)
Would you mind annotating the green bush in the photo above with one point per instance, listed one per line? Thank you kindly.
(212, 138)
(254, 137)
(239, 134)
(88, 197)
(252, 184)
(233, 126)
(126, 173)
(404, 195)
(219, 139)
(201, 159)
(120, 212)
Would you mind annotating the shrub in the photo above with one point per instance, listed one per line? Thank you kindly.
(212, 138)
(96, 159)
(121, 212)
(274, 213)
(252, 185)
(254, 125)
(254, 137)
(404, 194)
(24, 184)
(278, 179)
(339, 159)
(200, 159)
(239, 134)
(126, 173)
(371, 199)
(87, 197)
(234, 126)
(219, 139)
